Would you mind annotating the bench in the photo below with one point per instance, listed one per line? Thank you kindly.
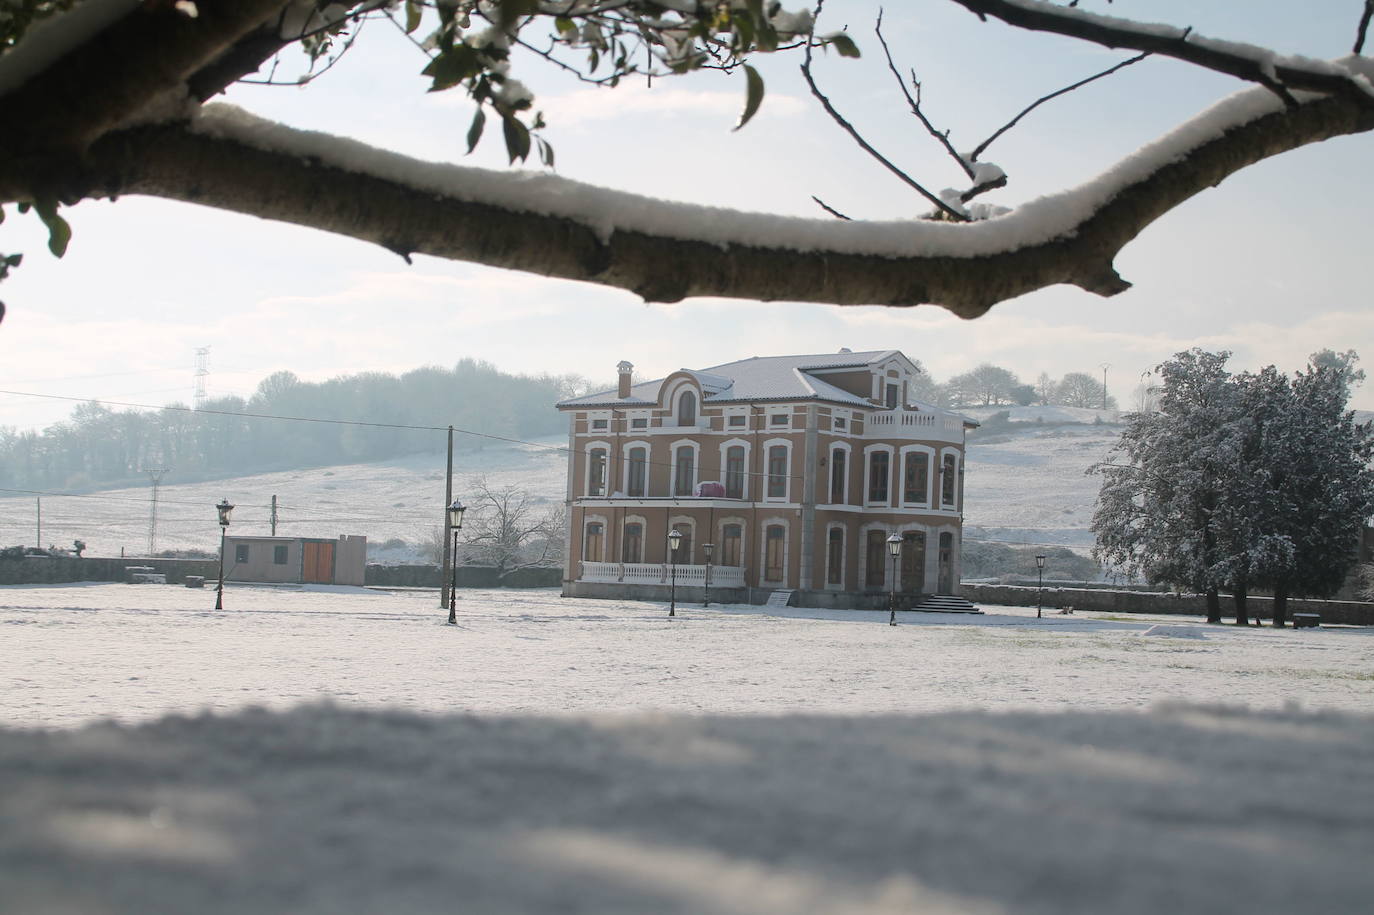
(1307, 620)
(147, 578)
(194, 581)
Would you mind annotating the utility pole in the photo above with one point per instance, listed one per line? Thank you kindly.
(274, 516)
(444, 573)
(39, 542)
(1105, 366)
(202, 372)
(155, 475)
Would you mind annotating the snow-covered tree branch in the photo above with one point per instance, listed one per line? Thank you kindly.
(106, 101)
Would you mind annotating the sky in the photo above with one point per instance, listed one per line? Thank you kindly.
(1269, 265)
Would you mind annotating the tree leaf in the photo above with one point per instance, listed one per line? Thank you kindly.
(479, 121)
(844, 44)
(517, 139)
(753, 97)
(414, 9)
(59, 233)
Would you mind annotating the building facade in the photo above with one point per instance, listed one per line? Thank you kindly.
(785, 472)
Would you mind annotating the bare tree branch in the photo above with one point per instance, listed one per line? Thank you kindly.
(1364, 26)
(1276, 74)
(829, 209)
(849, 128)
(915, 103)
(978, 151)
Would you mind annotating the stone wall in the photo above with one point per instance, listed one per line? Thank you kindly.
(1130, 601)
(427, 576)
(58, 569)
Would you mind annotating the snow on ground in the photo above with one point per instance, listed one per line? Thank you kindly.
(1031, 485)
(551, 755)
(402, 498)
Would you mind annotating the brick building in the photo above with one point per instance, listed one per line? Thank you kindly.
(793, 469)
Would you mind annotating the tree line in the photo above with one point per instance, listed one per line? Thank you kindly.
(989, 385)
(1240, 481)
(99, 445)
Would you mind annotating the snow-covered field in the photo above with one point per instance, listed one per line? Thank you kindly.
(550, 755)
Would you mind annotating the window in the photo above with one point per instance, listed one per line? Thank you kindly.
(279, 554)
(596, 472)
(875, 558)
(599, 424)
(684, 475)
(877, 476)
(734, 472)
(775, 538)
(594, 541)
(778, 419)
(732, 535)
(639, 422)
(915, 477)
(738, 421)
(777, 472)
(837, 476)
(947, 481)
(687, 409)
(634, 473)
(834, 557)
(841, 424)
(240, 552)
(914, 562)
(891, 396)
(633, 547)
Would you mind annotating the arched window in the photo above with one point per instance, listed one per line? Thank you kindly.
(875, 559)
(734, 472)
(915, 477)
(731, 541)
(632, 549)
(596, 472)
(683, 554)
(684, 470)
(775, 552)
(594, 541)
(687, 409)
(878, 472)
(777, 472)
(635, 467)
(949, 468)
(834, 556)
(838, 471)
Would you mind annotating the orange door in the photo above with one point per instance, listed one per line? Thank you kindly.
(318, 565)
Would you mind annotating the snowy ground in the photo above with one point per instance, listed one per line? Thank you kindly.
(550, 755)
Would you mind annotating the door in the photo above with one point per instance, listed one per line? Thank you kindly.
(946, 563)
(913, 562)
(318, 565)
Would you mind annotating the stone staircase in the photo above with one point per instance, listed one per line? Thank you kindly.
(945, 603)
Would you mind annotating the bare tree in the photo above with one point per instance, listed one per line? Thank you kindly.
(111, 101)
(509, 529)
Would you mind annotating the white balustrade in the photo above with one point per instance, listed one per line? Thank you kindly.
(660, 573)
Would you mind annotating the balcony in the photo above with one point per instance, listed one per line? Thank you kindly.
(915, 425)
(660, 573)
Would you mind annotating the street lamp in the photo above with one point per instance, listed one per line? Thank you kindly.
(224, 508)
(894, 549)
(1040, 587)
(674, 541)
(455, 521)
(708, 548)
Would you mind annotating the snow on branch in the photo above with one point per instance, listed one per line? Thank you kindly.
(1281, 74)
(665, 251)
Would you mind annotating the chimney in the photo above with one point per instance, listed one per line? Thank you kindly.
(625, 369)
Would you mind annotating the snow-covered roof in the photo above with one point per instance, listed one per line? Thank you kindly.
(754, 379)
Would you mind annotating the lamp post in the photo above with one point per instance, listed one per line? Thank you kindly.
(1040, 586)
(894, 549)
(708, 548)
(224, 508)
(674, 541)
(455, 521)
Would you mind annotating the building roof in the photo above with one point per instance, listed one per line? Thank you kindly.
(754, 379)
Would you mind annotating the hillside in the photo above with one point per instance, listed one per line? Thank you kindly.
(1026, 484)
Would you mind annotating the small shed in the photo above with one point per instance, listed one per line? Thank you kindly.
(296, 560)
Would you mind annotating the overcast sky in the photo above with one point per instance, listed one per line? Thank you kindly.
(1271, 265)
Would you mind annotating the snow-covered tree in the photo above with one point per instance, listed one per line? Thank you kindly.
(1238, 481)
(1079, 389)
(110, 98)
(986, 385)
(509, 529)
